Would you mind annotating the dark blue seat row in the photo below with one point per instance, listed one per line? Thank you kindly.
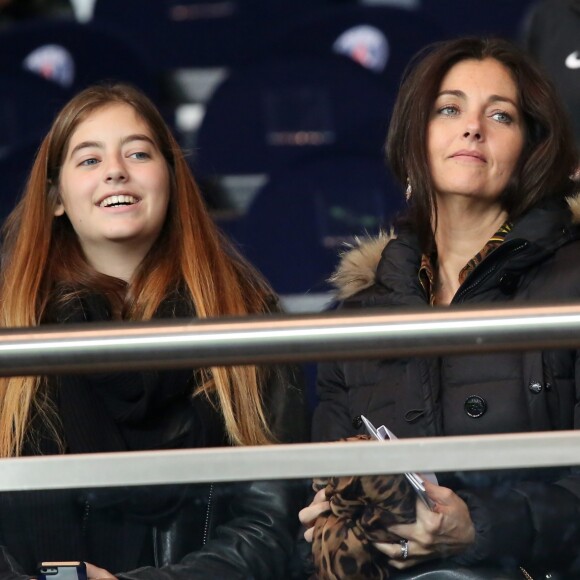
(304, 104)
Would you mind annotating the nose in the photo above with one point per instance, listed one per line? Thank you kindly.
(473, 129)
(115, 172)
(473, 134)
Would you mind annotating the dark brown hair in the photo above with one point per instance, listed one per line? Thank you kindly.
(549, 155)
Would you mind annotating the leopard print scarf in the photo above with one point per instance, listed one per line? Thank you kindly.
(361, 510)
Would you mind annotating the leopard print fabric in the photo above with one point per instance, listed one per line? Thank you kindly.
(361, 510)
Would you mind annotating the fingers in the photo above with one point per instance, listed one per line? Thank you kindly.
(446, 531)
(440, 495)
(402, 555)
(95, 573)
(308, 515)
(425, 523)
(309, 535)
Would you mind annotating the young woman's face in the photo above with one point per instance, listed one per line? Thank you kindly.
(476, 134)
(114, 183)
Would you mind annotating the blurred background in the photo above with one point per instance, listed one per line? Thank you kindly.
(282, 106)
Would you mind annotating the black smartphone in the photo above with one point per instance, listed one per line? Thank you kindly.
(62, 571)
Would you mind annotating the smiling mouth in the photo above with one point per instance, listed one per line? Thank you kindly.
(118, 200)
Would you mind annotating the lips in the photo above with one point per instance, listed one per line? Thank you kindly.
(471, 153)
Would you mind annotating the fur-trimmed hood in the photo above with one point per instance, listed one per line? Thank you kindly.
(358, 263)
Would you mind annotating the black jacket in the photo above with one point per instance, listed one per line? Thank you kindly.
(241, 530)
(527, 517)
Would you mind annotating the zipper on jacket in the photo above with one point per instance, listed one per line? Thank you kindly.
(207, 515)
(85, 518)
(155, 548)
(485, 274)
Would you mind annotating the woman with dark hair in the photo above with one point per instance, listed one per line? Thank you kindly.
(481, 143)
(112, 226)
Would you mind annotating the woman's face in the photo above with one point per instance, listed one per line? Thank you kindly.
(476, 134)
(114, 184)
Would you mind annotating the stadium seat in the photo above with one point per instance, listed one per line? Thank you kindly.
(306, 213)
(492, 17)
(14, 168)
(73, 55)
(200, 33)
(380, 38)
(272, 113)
(28, 104)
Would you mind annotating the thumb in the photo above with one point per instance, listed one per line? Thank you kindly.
(442, 496)
(435, 492)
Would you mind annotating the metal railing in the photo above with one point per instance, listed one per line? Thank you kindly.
(291, 461)
(277, 338)
(343, 335)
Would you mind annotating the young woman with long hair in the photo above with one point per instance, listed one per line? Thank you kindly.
(112, 226)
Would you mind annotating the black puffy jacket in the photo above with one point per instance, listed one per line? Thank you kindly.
(522, 517)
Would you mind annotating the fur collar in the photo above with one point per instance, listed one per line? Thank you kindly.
(358, 263)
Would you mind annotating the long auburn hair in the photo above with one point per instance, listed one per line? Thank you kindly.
(549, 156)
(43, 264)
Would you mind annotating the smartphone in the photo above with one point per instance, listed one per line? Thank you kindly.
(62, 571)
(415, 479)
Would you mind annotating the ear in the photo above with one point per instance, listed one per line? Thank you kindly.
(59, 208)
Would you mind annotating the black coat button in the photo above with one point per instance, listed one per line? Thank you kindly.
(535, 387)
(475, 406)
(357, 422)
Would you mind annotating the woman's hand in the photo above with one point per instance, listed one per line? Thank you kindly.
(443, 532)
(94, 573)
(309, 514)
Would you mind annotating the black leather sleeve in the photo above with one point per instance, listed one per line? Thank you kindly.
(255, 541)
(9, 568)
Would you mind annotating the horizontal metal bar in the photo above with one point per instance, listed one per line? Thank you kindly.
(291, 461)
(338, 335)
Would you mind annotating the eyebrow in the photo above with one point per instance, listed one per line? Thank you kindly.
(491, 99)
(101, 145)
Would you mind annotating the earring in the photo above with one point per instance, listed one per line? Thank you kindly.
(409, 190)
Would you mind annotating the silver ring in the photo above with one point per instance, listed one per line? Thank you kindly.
(404, 549)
